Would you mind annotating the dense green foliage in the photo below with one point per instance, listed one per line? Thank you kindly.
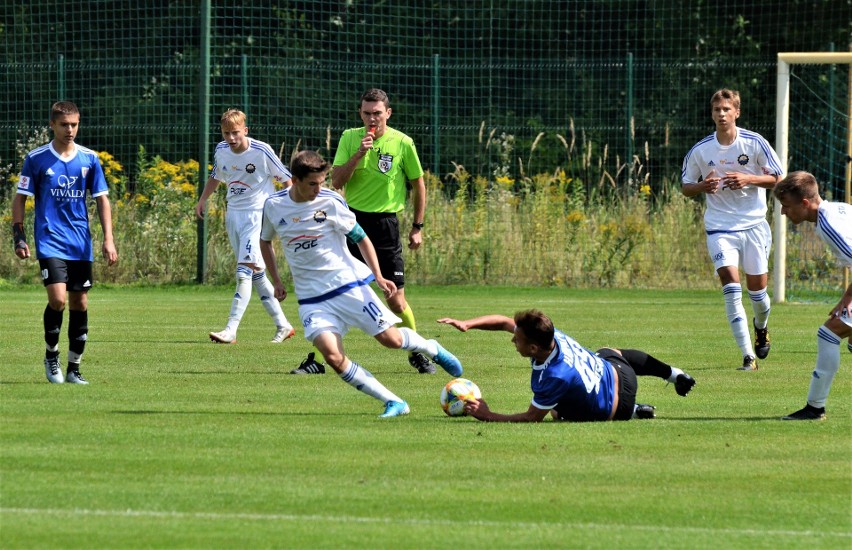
(181, 443)
(567, 119)
(627, 75)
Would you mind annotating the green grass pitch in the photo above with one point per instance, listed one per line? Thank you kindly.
(179, 442)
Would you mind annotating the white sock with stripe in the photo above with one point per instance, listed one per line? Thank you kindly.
(827, 364)
(761, 305)
(735, 311)
(363, 380)
(412, 341)
(266, 292)
(241, 298)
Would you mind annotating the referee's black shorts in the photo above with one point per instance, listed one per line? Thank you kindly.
(383, 230)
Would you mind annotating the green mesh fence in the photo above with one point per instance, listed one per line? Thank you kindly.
(502, 87)
(819, 125)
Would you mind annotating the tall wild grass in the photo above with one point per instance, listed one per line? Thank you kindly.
(592, 222)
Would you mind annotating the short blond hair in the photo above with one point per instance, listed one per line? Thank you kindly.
(233, 117)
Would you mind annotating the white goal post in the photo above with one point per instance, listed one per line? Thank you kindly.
(782, 123)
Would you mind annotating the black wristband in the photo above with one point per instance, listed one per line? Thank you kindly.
(19, 238)
(416, 225)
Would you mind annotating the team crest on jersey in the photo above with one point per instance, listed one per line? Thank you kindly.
(320, 216)
(385, 163)
(250, 168)
(24, 183)
(742, 159)
(85, 170)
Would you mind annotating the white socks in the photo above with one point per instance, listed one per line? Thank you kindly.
(411, 341)
(827, 364)
(266, 292)
(761, 306)
(241, 298)
(363, 380)
(673, 376)
(737, 317)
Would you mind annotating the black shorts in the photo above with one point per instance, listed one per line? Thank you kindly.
(76, 274)
(627, 383)
(383, 230)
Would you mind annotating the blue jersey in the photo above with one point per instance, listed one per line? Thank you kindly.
(573, 380)
(59, 186)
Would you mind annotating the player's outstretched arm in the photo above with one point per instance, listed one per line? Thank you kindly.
(485, 322)
(478, 409)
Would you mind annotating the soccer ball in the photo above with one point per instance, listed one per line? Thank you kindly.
(454, 394)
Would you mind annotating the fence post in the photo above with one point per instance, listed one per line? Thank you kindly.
(244, 84)
(203, 136)
(60, 77)
(629, 136)
(436, 120)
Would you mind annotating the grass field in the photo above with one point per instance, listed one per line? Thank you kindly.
(181, 443)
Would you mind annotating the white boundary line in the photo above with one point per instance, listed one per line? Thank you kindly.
(411, 521)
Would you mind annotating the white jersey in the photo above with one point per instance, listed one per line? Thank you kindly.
(313, 236)
(729, 209)
(834, 226)
(250, 175)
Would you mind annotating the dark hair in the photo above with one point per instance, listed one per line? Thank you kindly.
(536, 326)
(731, 95)
(62, 108)
(307, 162)
(375, 94)
(798, 185)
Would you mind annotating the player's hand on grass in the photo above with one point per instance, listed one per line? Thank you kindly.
(476, 408)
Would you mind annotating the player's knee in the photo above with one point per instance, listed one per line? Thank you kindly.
(334, 359)
(838, 327)
(390, 338)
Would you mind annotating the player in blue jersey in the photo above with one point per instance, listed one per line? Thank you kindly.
(569, 381)
(250, 169)
(314, 225)
(798, 194)
(59, 175)
(734, 167)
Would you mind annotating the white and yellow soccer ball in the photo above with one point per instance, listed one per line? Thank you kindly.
(455, 393)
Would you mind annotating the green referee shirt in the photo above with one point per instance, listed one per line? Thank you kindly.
(378, 181)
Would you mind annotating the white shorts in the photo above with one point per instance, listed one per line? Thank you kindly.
(244, 233)
(751, 245)
(359, 307)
